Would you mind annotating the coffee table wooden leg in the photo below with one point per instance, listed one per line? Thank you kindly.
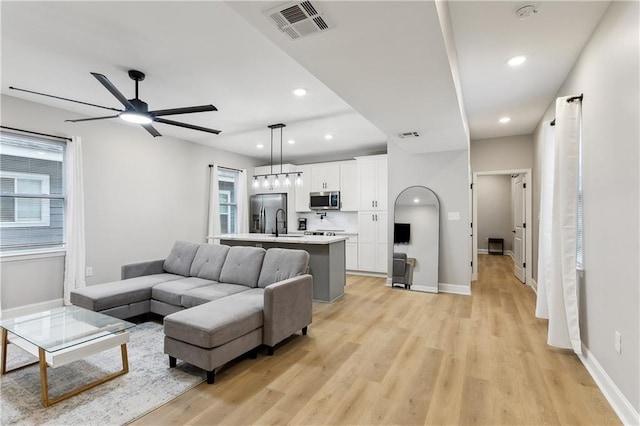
(3, 365)
(45, 391)
(44, 385)
(125, 358)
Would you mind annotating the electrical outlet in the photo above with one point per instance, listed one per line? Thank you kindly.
(618, 342)
(89, 271)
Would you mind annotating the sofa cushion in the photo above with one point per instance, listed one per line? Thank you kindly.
(180, 259)
(117, 293)
(242, 266)
(281, 264)
(205, 294)
(208, 261)
(171, 291)
(215, 323)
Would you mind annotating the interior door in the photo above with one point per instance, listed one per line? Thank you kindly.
(519, 227)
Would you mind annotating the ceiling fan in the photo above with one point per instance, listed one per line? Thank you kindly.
(136, 110)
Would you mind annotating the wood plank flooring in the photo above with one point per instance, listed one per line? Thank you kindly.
(390, 356)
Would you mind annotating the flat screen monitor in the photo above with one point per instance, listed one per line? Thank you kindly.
(401, 233)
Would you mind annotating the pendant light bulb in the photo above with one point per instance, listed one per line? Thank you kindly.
(276, 182)
(299, 179)
(265, 184)
(256, 184)
(287, 181)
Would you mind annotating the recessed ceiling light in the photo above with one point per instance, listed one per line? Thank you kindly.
(504, 120)
(416, 200)
(300, 92)
(516, 60)
(259, 146)
(328, 136)
(291, 141)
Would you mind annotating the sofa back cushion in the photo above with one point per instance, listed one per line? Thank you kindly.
(242, 266)
(281, 264)
(208, 261)
(180, 259)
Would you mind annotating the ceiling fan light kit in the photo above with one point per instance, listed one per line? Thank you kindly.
(136, 110)
(274, 178)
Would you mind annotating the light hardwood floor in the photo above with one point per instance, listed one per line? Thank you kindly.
(390, 356)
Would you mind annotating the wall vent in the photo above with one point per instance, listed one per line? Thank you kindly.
(298, 19)
(408, 135)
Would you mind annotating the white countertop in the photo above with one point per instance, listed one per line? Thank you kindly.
(287, 238)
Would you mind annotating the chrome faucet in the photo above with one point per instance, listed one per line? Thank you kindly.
(284, 221)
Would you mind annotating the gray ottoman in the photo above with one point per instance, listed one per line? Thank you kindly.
(210, 335)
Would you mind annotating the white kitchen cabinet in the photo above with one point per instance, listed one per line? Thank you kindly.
(325, 177)
(351, 253)
(302, 192)
(372, 182)
(372, 241)
(349, 190)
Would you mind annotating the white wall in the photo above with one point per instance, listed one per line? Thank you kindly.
(447, 175)
(507, 153)
(494, 210)
(607, 73)
(141, 195)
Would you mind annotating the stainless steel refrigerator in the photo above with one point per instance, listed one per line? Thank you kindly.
(263, 208)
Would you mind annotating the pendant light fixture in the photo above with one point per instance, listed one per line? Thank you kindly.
(277, 179)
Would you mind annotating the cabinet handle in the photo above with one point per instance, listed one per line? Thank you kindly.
(372, 204)
(372, 218)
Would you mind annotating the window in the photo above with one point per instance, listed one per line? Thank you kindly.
(227, 190)
(31, 193)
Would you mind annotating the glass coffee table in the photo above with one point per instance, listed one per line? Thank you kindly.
(63, 335)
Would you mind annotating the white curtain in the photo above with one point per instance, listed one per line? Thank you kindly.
(242, 199)
(74, 264)
(214, 207)
(557, 297)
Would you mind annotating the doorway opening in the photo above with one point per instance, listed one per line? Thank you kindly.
(510, 226)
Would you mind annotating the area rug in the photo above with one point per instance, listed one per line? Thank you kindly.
(149, 384)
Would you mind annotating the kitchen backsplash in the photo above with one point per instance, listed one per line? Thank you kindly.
(344, 221)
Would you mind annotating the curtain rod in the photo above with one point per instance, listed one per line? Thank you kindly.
(36, 133)
(227, 168)
(571, 99)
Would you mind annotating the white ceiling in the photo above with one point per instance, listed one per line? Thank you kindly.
(384, 69)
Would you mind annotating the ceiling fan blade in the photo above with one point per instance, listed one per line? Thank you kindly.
(90, 119)
(63, 99)
(149, 128)
(185, 110)
(114, 90)
(186, 126)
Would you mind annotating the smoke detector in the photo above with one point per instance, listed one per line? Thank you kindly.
(526, 11)
(298, 19)
(408, 135)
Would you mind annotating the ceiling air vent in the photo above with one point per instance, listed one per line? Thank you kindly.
(298, 19)
(408, 135)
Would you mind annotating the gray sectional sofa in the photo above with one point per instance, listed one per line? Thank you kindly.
(218, 302)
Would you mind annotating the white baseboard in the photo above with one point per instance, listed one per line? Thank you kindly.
(424, 289)
(31, 309)
(534, 285)
(464, 290)
(483, 251)
(367, 274)
(620, 404)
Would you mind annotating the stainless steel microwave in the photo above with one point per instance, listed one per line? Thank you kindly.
(329, 200)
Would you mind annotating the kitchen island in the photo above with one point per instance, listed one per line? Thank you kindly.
(326, 257)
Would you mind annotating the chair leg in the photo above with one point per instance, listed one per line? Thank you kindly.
(211, 376)
(304, 331)
(270, 350)
(172, 362)
(253, 353)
